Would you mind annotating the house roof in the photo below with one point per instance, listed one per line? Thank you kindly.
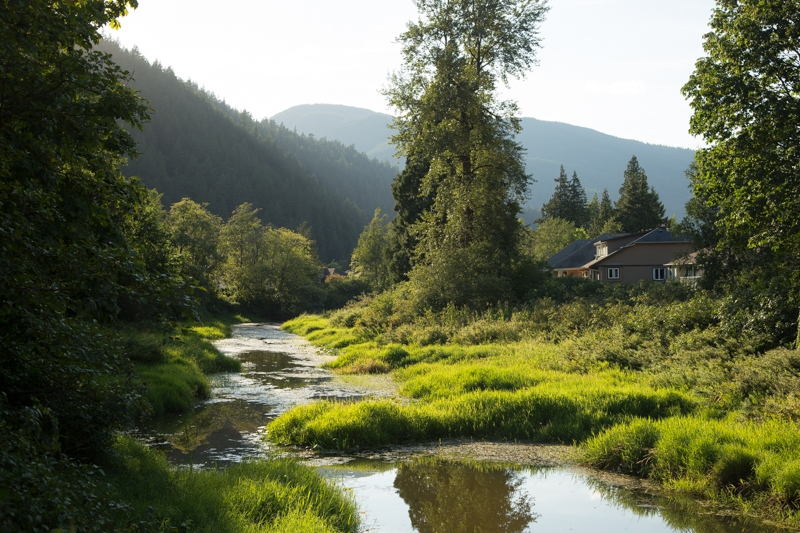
(658, 235)
(689, 259)
(576, 254)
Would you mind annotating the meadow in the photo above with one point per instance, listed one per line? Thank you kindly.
(649, 381)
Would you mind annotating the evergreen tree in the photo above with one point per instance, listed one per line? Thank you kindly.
(559, 204)
(568, 201)
(638, 207)
(601, 216)
(410, 202)
(579, 213)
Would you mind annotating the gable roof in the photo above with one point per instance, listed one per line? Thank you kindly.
(576, 254)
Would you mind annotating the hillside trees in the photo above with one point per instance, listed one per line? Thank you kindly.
(744, 94)
(454, 57)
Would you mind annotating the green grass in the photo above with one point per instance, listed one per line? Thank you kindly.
(173, 365)
(753, 464)
(644, 383)
(271, 496)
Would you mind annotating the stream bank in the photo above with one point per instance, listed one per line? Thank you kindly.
(419, 487)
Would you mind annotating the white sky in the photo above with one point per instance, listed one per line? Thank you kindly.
(616, 66)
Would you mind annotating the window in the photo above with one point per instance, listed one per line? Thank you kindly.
(659, 274)
(602, 250)
(613, 273)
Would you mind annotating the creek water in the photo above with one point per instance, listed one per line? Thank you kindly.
(413, 489)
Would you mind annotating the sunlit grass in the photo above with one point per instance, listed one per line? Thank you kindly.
(273, 496)
(173, 366)
(722, 459)
(552, 413)
(647, 386)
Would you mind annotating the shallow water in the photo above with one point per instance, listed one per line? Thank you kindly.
(408, 493)
(442, 496)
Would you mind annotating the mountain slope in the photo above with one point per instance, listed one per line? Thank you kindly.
(198, 147)
(599, 159)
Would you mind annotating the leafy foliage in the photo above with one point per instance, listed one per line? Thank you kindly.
(744, 96)
(454, 57)
(370, 260)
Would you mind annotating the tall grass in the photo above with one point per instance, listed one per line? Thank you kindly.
(173, 365)
(272, 496)
(752, 463)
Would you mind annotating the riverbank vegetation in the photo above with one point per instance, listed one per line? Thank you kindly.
(652, 380)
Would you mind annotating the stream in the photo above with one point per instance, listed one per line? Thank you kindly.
(450, 487)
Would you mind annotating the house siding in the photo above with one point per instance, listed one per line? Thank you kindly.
(637, 262)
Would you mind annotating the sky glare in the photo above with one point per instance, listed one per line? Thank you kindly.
(616, 66)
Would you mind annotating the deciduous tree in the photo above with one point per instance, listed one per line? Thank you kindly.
(745, 94)
(448, 115)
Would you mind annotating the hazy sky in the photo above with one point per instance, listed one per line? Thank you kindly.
(616, 66)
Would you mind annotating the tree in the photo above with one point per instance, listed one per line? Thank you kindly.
(744, 94)
(65, 259)
(410, 203)
(194, 232)
(601, 216)
(291, 271)
(454, 57)
(568, 201)
(638, 207)
(370, 260)
(240, 245)
(577, 199)
(553, 235)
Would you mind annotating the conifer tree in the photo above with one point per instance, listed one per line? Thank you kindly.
(558, 205)
(639, 207)
(579, 213)
(568, 201)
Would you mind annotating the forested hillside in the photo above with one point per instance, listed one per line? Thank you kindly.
(599, 159)
(198, 147)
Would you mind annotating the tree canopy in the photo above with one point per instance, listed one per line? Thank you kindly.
(746, 104)
(448, 115)
(744, 94)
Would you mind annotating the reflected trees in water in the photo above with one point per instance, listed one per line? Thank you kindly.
(463, 497)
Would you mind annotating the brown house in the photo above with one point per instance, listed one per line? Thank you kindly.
(623, 258)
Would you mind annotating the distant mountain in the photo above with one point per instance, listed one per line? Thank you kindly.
(599, 159)
(198, 147)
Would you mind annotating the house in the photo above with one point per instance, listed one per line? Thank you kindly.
(685, 269)
(623, 258)
(571, 260)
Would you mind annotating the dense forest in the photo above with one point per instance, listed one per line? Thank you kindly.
(195, 146)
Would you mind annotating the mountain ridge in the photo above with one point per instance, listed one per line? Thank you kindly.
(599, 158)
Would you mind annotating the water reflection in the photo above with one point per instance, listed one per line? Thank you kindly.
(445, 496)
(279, 370)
